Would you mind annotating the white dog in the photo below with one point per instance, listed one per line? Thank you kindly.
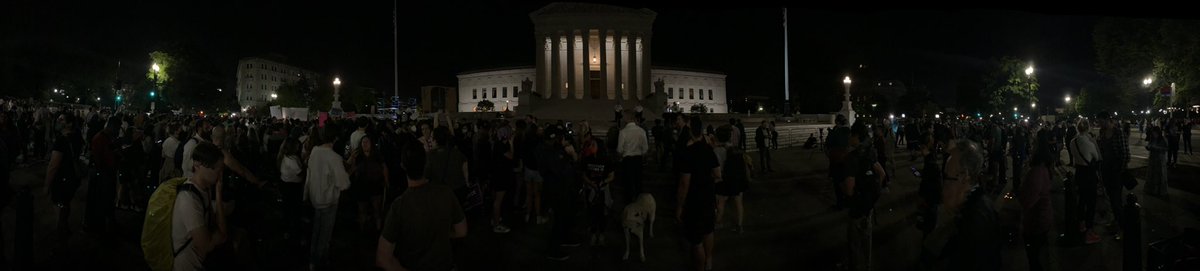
(636, 214)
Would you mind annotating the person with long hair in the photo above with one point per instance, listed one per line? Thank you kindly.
(1156, 183)
(735, 174)
(699, 173)
(368, 178)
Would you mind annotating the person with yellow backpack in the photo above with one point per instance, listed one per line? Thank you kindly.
(182, 222)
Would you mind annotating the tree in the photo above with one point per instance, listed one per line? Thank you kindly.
(294, 94)
(485, 106)
(1008, 84)
(165, 62)
(1130, 50)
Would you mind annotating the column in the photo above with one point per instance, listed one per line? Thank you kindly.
(540, 77)
(586, 85)
(570, 86)
(555, 74)
(603, 36)
(617, 66)
(631, 73)
(646, 82)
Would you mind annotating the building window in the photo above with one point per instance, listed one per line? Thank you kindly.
(474, 94)
(516, 91)
(670, 93)
(710, 94)
(692, 93)
(493, 92)
(504, 92)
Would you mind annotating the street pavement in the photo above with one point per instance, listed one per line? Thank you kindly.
(788, 226)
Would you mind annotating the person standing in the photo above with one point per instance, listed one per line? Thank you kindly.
(369, 176)
(447, 165)
(326, 180)
(1173, 134)
(1187, 136)
(774, 136)
(836, 148)
(1156, 183)
(617, 113)
(193, 231)
(1019, 150)
(558, 158)
(864, 178)
(1037, 213)
(735, 173)
(1086, 159)
(1114, 148)
(699, 173)
(632, 147)
(761, 135)
(61, 175)
(597, 177)
(978, 242)
(414, 237)
(102, 186)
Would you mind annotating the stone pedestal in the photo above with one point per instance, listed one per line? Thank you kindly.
(847, 111)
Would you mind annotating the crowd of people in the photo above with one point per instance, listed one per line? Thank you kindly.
(415, 182)
(966, 168)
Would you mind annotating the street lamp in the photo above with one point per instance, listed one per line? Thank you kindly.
(1032, 105)
(273, 96)
(1146, 82)
(337, 103)
(1029, 70)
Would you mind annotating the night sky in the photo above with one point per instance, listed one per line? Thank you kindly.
(933, 48)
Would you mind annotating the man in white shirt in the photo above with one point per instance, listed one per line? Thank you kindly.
(191, 236)
(202, 129)
(1086, 159)
(632, 145)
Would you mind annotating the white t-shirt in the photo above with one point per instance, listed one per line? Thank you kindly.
(189, 215)
(356, 139)
(289, 170)
(168, 147)
(188, 148)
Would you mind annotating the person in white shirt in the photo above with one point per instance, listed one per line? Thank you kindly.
(202, 131)
(326, 180)
(1086, 158)
(632, 145)
(192, 237)
(356, 137)
(169, 168)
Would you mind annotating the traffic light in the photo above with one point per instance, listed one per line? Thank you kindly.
(118, 98)
(151, 94)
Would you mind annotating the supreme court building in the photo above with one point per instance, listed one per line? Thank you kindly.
(591, 57)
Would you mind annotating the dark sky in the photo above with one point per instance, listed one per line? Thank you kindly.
(933, 48)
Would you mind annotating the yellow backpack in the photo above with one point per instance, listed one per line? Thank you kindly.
(157, 246)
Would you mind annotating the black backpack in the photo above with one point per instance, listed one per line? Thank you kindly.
(866, 184)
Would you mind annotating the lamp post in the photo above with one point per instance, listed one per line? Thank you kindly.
(156, 68)
(336, 109)
(847, 110)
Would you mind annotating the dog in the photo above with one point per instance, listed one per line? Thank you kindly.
(636, 214)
